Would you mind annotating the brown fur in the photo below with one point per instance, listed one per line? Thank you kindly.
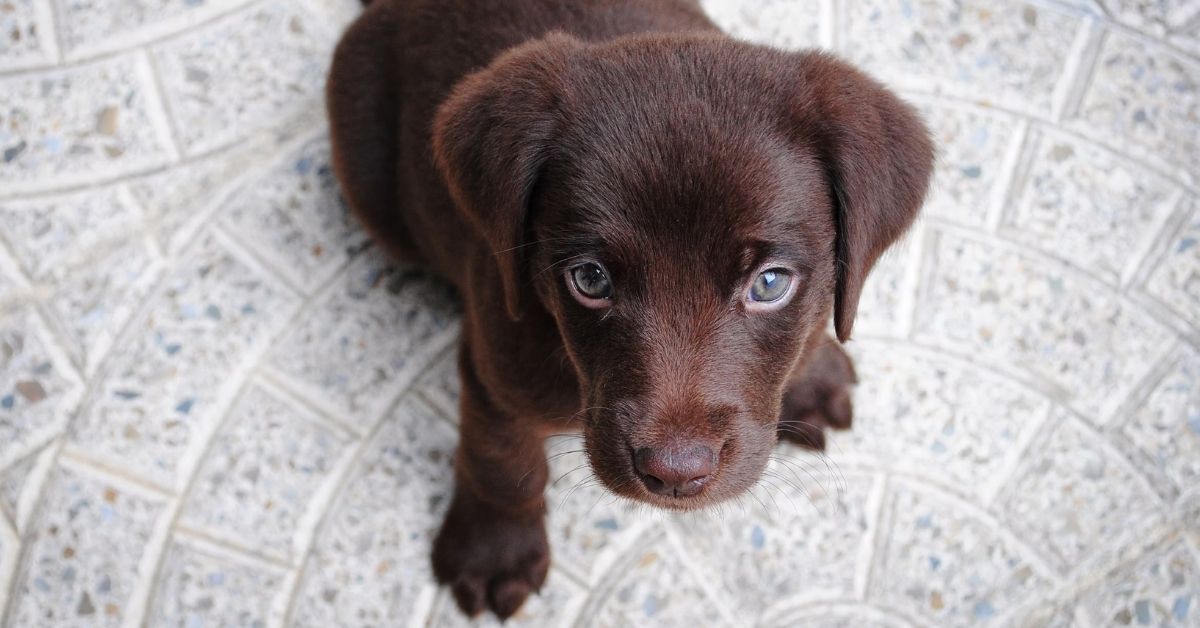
(498, 142)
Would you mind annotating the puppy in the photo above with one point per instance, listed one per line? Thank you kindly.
(650, 225)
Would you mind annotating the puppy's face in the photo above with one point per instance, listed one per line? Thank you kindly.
(690, 210)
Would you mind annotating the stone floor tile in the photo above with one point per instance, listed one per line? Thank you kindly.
(77, 124)
(210, 317)
(971, 144)
(937, 417)
(554, 605)
(1013, 54)
(1161, 588)
(946, 565)
(1166, 427)
(25, 40)
(243, 72)
(788, 24)
(370, 560)
(800, 538)
(1073, 495)
(209, 587)
(1086, 205)
(346, 352)
(261, 473)
(93, 26)
(1036, 315)
(1145, 101)
(81, 563)
(295, 216)
(38, 392)
(1175, 278)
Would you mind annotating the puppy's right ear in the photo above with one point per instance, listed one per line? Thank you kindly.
(491, 137)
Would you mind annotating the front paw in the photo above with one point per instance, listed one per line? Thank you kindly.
(490, 559)
(818, 397)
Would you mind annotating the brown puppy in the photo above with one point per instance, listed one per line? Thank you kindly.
(650, 225)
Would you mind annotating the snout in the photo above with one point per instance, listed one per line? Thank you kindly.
(678, 470)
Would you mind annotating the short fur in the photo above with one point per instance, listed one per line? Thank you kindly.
(499, 142)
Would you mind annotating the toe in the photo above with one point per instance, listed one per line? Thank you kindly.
(507, 595)
(469, 594)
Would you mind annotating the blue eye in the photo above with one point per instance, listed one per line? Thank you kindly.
(770, 285)
(591, 281)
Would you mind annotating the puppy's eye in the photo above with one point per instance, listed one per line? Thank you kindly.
(590, 284)
(770, 286)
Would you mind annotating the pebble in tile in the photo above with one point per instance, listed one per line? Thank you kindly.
(937, 417)
(370, 560)
(246, 71)
(36, 393)
(295, 216)
(788, 24)
(971, 145)
(90, 26)
(1037, 315)
(208, 587)
(1012, 54)
(1175, 279)
(21, 39)
(369, 338)
(800, 537)
(72, 125)
(209, 319)
(81, 564)
(1073, 496)
(636, 595)
(1143, 97)
(1161, 588)
(261, 473)
(552, 606)
(945, 565)
(1166, 427)
(1090, 206)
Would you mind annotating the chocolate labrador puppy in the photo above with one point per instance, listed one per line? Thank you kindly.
(650, 225)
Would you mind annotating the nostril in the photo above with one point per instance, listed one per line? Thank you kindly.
(674, 471)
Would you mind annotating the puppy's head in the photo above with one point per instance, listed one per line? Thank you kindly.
(690, 210)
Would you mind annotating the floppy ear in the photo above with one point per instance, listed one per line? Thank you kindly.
(879, 158)
(491, 137)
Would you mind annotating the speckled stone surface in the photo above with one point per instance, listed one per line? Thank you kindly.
(220, 406)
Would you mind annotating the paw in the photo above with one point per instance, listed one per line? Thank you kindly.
(818, 397)
(489, 559)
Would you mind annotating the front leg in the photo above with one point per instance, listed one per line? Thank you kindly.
(818, 396)
(492, 549)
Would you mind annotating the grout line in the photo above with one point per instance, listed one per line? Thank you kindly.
(1018, 455)
(162, 116)
(1010, 180)
(864, 565)
(1077, 71)
(827, 26)
(52, 14)
(913, 280)
(1150, 252)
(10, 561)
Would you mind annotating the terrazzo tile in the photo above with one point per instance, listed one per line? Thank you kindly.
(1013, 55)
(554, 605)
(295, 216)
(368, 338)
(1144, 101)
(1036, 315)
(971, 144)
(635, 597)
(76, 124)
(1073, 496)
(92, 26)
(947, 566)
(211, 588)
(1161, 588)
(22, 39)
(83, 554)
(1175, 278)
(245, 71)
(1166, 427)
(937, 417)
(789, 24)
(800, 538)
(261, 473)
(370, 560)
(1088, 206)
(37, 393)
(210, 318)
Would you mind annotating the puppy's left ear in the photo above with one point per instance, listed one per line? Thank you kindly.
(878, 157)
(491, 137)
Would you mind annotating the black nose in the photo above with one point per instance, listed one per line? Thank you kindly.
(675, 471)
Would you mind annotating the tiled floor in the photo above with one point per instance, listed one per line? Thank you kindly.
(219, 406)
